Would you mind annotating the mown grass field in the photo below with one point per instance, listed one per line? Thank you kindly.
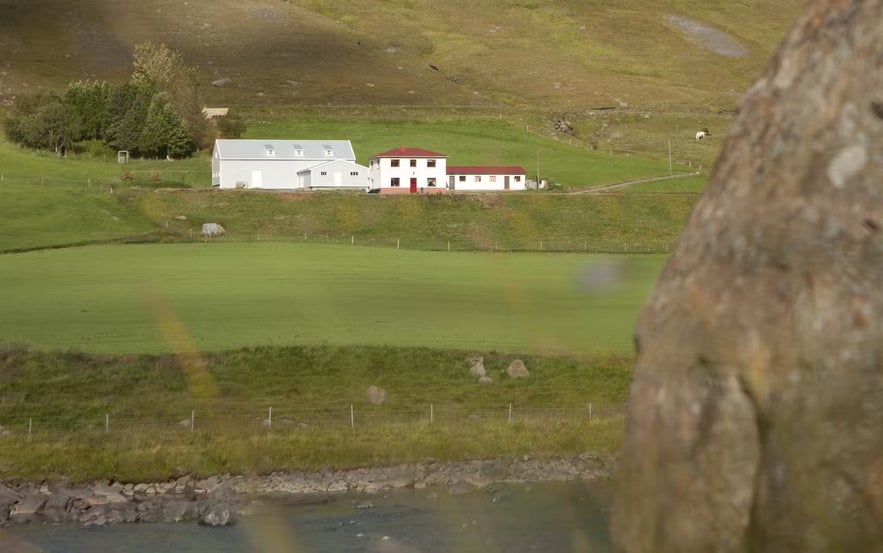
(126, 299)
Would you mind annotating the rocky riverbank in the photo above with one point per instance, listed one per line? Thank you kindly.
(219, 500)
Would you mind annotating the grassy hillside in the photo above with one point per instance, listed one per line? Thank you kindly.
(559, 54)
(156, 298)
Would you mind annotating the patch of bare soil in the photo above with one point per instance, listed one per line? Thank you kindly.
(705, 36)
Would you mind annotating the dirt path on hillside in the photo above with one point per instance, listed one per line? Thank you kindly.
(609, 187)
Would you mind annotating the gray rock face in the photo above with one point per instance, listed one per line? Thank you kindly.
(517, 369)
(757, 403)
(8, 497)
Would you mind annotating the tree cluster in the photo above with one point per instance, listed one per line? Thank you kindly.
(157, 114)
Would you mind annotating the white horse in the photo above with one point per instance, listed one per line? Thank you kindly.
(701, 135)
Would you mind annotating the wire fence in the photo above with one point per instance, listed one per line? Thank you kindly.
(209, 421)
(588, 245)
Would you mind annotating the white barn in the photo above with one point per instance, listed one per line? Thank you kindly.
(474, 179)
(287, 165)
(407, 171)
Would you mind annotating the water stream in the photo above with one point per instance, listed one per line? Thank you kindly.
(548, 517)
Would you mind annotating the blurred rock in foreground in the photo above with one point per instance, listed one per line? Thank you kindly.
(756, 412)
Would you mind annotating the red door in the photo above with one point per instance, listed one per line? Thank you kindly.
(413, 186)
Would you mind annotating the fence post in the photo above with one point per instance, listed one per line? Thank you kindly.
(541, 245)
(449, 245)
(352, 416)
(270, 419)
(106, 423)
(192, 419)
(398, 242)
(30, 426)
(510, 412)
(352, 240)
(590, 411)
(431, 413)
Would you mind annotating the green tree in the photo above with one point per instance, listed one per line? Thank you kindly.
(164, 69)
(89, 100)
(230, 126)
(43, 121)
(127, 114)
(164, 134)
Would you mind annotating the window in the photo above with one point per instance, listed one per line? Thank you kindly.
(493, 178)
(324, 173)
(394, 181)
(354, 173)
(462, 178)
(413, 163)
(517, 178)
(393, 163)
(430, 163)
(430, 181)
(477, 178)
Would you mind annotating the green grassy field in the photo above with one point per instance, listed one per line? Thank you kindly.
(103, 299)
(474, 141)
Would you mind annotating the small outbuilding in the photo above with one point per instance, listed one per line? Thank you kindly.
(476, 178)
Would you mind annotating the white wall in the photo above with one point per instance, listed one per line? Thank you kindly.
(487, 182)
(274, 174)
(338, 174)
(381, 172)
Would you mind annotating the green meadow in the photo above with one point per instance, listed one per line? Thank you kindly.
(228, 295)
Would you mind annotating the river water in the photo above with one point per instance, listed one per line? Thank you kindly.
(547, 517)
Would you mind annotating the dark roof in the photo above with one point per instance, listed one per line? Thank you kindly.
(401, 151)
(480, 170)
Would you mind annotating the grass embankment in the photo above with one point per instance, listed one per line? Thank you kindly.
(68, 398)
(130, 299)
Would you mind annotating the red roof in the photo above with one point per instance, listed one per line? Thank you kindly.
(401, 151)
(475, 170)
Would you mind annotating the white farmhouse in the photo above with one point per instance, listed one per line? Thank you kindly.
(473, 179)
(407, 171)
(287, 165)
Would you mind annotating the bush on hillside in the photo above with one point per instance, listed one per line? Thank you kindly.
(158, 114)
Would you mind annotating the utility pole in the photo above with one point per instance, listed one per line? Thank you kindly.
(538, 169)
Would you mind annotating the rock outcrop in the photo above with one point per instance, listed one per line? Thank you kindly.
(375, 395)
(517, 369)
(756, 409)
(219, 500)
(476, 367)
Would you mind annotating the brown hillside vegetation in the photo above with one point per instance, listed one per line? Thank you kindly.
(563, 54)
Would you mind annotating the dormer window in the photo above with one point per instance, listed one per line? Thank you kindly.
(298, 150)
(329, 151)
(271, 151)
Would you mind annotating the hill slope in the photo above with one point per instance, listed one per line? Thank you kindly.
(561, 54)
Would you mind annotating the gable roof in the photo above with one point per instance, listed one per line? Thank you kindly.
(313, 150)
(401, 151)
(327, 164)
(477, 170)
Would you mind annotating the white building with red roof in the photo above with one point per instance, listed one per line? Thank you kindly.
(473, 179)
(407, 171)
